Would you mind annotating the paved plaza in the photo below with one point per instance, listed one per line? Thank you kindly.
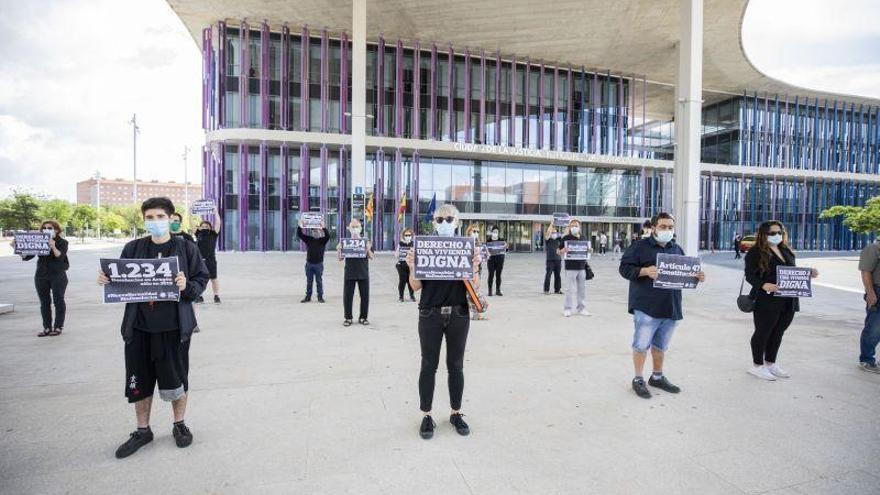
(284, 399)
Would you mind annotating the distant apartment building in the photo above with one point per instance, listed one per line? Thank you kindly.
(119, 191)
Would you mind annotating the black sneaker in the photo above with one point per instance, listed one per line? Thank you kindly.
(306, 299)
(663, 384)
(200, 299)
(426, 431)
(460, 426)
(182, 436)
(490, 292)
(640, 389)
(135, 441)
(498, 293)
(412, 298)
(400, 300)
(870, 367)
(216, 299)
(321, 300)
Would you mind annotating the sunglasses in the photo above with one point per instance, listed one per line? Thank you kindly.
(441, 219)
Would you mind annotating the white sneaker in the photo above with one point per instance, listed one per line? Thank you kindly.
(762, 372)
(777, 371)
(566, 313)
(584, 312)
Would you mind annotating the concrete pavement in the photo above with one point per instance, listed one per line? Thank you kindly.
(286, 400)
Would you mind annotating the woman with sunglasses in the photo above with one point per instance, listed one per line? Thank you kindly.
(50, 279)
(406, 241)
(772, 315)
(443, 311)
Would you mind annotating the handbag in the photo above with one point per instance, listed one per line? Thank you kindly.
(476, 301)
(589, 275)
(745, 302)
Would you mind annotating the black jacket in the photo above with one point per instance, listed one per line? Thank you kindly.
(756, 278)
(193, 267)
(643, 296)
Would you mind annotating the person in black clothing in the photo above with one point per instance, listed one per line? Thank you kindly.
(157, 334)
(50, 279)
(495, 263)
(554, 261)
(406, 241)
(443, 310)
(316, 243)
(206, 239)
(175, 225)
(772, 315)
(357, 272)
(736, 240)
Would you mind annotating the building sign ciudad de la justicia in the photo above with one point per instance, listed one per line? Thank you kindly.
(590, 158)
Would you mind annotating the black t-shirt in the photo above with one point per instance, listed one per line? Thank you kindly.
(573, 264)
(315, 246)
(442, 293)
(184, 235)
(207, 241)
(357, 268)
(160, 316)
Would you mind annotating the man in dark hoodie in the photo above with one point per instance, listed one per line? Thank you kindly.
(157, 333)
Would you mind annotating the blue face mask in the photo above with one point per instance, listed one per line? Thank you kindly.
(774, 239)
(664, 236)
(445, 229)
(156, 228)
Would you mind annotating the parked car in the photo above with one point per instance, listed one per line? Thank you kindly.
(746, 243)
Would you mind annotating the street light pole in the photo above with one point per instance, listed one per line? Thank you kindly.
(98, 199)
(185, 185)
(134, 130)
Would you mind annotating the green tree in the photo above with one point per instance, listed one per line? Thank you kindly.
(83, 216)
(131, 215)
(56, 209)
(858, 219)
(111, 221)
(20, 211)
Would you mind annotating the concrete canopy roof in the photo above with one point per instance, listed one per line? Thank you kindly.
(627, 37)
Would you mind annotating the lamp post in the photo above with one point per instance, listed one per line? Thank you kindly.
(185, 185)
(134, 130)
(98, 199)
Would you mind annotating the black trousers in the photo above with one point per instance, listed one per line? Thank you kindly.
(51, 290)
(348, 297)
(403, 280)
(433, 325)
(738, 254)
(554, 267)
(769, 327)
(496, 266)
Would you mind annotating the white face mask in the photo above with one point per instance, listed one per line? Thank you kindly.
(575, 231)
(407, 238)
(445, 229)
(475, 235)
(494, 235)
(355, 231)
(49, 231)
(554, 235)
(774, 239)
(664, 236)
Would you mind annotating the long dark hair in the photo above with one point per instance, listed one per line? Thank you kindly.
(763, 245)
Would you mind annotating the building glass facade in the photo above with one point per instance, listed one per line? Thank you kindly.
(300, 80)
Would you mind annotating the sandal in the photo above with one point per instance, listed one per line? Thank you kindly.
(55, 333)
(346, 323)
(45, 333)
(363, 321)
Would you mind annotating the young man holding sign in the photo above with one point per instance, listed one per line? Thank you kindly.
(157, 334)
(656, 311)
(443, 311)
(357, 253)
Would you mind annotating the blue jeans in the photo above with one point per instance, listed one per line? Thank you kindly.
(871, 333)
(315, 271)
(652, 332)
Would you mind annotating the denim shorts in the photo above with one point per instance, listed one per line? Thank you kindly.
(652, 332)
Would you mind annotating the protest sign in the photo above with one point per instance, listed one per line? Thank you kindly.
(677, 272)
(577, 250)
(561, 219)
(31, 243)
(443, 258)
(312, 220)
(793, 281)
(140, 280)
(353, 248)
(496, 247)
(484, 253)
(402, 251)
(202, 206)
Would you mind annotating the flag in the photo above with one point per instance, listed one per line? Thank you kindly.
(432, 206)
(402, 209)
(368, 210)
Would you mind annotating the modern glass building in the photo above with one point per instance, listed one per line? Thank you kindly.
(509, 138)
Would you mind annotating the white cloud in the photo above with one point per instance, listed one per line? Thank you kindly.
(827, 46)
(70, 80)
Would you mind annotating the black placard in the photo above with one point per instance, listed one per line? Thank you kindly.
(443, 258)
(561, 219)
(353, 248)
(31, 243)
(793, 281)
(677, 272)
(402, 251)
(496, 247)
(577, 250)
(140, 280)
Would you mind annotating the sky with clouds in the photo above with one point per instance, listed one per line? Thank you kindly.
(72, 75)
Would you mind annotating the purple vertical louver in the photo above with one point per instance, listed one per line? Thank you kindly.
(304, 81)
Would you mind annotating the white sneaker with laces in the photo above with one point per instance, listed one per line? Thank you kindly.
(777, 371)
(566, 313)
(762, 372)
(584, 312)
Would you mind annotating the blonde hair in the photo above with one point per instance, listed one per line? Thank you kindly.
(447, 209)
(405, 232)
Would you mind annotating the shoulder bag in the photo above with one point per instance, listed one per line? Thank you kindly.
(745, 302)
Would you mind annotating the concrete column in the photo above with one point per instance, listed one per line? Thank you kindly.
(359, 95)
(687, 124)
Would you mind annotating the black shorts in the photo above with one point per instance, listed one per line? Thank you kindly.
(152, 358)
(211, 264)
